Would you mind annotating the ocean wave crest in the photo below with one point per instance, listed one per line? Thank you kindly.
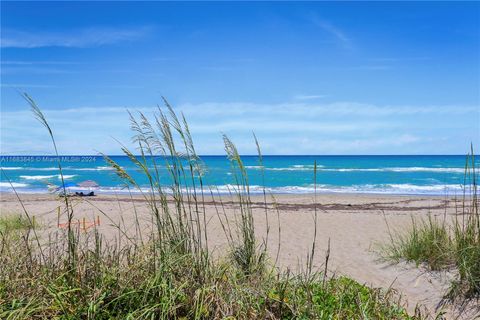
(406, 189)
(397, 169)
(392, 189)
(13, 184)
(99, 168)
(39, 177)
(11, 168)
(386, 169)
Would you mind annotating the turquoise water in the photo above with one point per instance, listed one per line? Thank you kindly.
(283, 174)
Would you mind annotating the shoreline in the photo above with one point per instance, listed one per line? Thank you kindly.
(260, 194)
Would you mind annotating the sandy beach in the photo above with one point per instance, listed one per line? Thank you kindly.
(355, 225)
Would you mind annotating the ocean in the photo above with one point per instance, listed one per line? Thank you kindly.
(421, 175)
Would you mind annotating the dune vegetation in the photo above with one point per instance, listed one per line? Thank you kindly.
(168, 271)
(440, 243)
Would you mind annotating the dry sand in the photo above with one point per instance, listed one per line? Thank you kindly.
(355, 225)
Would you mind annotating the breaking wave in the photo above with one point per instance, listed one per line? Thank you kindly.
(392, 189)
(48, 177)
(14, 184)
(387, 169)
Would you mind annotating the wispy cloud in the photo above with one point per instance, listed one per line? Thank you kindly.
(79, 38)
(333, 30)
(32, 69)
(309, 97)
(311, 110)
(288, 128)
(59, 69)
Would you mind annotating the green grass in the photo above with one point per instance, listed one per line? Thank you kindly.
(141, 288)
(446, 245)
(15, 222)
(168, 272)
(426, 243)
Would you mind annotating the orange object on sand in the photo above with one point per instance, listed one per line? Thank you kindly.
(84, 225)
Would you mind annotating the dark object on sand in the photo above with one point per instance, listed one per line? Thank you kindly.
(87, 184)
(81, 194)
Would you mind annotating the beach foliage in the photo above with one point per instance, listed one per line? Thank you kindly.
(439, 243)
(167, 271)
(427, 242)
(10, 223)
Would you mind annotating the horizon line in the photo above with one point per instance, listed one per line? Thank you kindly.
(224, 155)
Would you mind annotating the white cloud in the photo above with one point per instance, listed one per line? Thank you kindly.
(289, 128)
(310, 97)
(80, 38)
(306, 110)
(334, 31)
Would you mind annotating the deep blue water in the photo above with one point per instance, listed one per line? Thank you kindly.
(283, 174)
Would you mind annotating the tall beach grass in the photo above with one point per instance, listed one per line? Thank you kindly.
(453, 244)
(167, 271)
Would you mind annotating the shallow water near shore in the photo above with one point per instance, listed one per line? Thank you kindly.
(427, 175)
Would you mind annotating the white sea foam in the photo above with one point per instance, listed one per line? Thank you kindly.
(292, 168)
(438, 189)
(99, 168)
(14, 184)
(296, 167)
(367, 188)
(311, 166)
(406, 189)
(426, 169)
(397, 169)
(386, 169)
(48, 177)
(37, 177)
(289, 169)
(11, 168)
(254, 167)
(395, 189)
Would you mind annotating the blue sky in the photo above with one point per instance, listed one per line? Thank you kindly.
(308, 78)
